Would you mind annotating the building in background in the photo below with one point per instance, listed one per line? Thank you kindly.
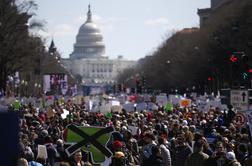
(88, 62)
(204, 14)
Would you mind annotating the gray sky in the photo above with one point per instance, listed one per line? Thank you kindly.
(132, 28)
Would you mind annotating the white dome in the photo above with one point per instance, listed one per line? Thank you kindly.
(89, 27)
(89, 41)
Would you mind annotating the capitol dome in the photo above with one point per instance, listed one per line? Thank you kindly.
(89, 41)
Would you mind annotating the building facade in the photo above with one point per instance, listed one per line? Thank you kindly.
(204, 14)
(88, 61)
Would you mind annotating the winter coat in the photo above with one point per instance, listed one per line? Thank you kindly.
(165, 153)
(196, 159)
(154, 161)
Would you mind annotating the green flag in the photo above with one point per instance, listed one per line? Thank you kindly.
(168, 107)
(94, 142)
(16, 105)
(108, 115)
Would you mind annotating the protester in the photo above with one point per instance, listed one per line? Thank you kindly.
(180, 137)
(231, 159)
(77, 159)
(165, 153)
(155, 158)
(198, 157)
(118, 159)
(182, 150)
(22, 162)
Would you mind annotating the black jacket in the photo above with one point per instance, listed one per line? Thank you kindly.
(154, 161)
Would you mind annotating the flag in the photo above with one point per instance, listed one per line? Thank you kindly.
(108, 115)
(168, 107)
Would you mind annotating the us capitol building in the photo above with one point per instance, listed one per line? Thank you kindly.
(88, 60)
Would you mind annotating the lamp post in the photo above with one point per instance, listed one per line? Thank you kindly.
(26, 88)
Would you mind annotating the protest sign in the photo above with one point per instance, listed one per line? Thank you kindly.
(174, 99)
(42, 152)
(161, 100)
(151, 106)
(129, 107)
(168, 107)
(89, 139)
(116, 108)
(185, 103)
(64, 114)
(141, 106)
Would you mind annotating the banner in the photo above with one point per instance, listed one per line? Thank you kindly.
(55, 84)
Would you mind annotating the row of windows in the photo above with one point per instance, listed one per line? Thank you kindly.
(98, 75)
(102, 70)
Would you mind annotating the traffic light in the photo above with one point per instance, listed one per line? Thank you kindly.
(245, 67)
(233, 58)
(209, 78)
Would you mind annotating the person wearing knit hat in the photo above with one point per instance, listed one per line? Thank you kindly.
(117, 145)
(231, 159)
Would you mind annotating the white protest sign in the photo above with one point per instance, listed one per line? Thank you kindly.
(64, 114)
(129, 107)
(141, 106)
(116, 108)
(215, 103)
(161, 100)
(115, 103)
(174, 99)
(203, 106)
(152, 107)
(42, 152)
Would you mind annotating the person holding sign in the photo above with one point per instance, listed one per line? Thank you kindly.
(77, 159)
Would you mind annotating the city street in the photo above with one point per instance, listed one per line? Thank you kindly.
(126, 83)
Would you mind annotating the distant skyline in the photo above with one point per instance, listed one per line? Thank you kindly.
(130, 28)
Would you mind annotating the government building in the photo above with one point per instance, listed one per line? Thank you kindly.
(88, 60)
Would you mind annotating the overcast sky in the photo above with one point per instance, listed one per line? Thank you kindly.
(132, 28)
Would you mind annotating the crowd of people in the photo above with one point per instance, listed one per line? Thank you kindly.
(181, 137)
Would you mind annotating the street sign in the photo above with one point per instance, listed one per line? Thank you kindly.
(240, 118)
(239, 99)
